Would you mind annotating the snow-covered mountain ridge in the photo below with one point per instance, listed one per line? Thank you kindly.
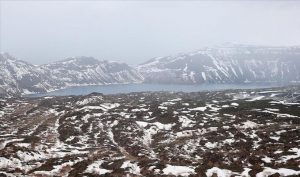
(230, 64)
(234, 64)
(19, 77)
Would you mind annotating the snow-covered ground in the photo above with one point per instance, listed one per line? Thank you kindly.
(220, 133)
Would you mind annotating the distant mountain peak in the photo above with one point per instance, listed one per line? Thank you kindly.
(6, 55)
(82, 60)
(233, 64)
(18, 77)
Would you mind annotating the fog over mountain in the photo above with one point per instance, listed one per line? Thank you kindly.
(134, 31)
(227, 64)
(170, 88)
(233, 64)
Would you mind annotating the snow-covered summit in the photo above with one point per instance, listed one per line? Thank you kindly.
(226, 64)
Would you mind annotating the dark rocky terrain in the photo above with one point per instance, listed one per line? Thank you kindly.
(221, 133)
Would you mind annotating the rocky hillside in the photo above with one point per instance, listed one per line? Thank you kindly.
(19, 77)
(90, 71)
(232, 64)
(228, 133)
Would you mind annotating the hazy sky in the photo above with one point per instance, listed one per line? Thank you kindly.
(132, 31)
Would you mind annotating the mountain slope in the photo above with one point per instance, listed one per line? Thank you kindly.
(19, 77)
(87, 70)
(234, 64)
(231, 64)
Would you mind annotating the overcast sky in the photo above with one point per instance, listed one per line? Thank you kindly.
(132, 31)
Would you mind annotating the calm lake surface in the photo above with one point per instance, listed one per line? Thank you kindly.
(127, 88)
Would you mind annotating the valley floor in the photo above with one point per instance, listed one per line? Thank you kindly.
(220, 133)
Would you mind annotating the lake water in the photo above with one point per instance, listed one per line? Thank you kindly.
(127, 88)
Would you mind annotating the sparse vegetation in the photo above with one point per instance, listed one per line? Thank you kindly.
(147, 134)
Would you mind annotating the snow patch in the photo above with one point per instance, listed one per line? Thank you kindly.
(219, 172)
(282, 171)
(198, 109)
(132, 167)
(95, 168)
(178, 170)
